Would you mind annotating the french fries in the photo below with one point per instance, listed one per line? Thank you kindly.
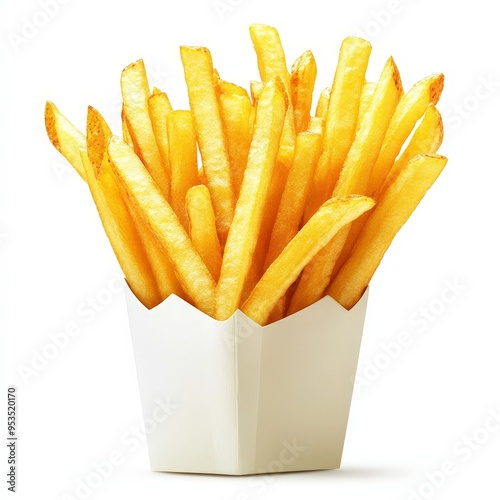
(316, 233)
(391, 212)
(244, 231)
(198, 70)
(284, 207)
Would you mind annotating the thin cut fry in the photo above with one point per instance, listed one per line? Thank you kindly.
(198, 71)
(157, 214)
(122, 235)
(242, 238)
(366, 97)
(135, 94)
(322, 106)
(236, 111)
(202, 229)
(426, 139)
(302, 82)
(317, 232)
(272, 63)
(159, 107)
(353, 180)
(65, 137)
(126, 130)
(410, 109)
(389, 215)
(341, 119)
(307, 150)
(183, 160)
(98, 135)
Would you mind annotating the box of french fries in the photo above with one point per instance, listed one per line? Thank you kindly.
(248, 228)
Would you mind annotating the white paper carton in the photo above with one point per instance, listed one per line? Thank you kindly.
(232, 397)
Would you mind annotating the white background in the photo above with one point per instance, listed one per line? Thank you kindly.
(407, 420)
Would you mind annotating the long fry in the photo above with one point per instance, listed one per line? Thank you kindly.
(316, 233)
(272, 64)
(302, 82)
(135, 93)
(389, 215)
(202, 229)
(98, 135)
(341, 118)
(198, 71)
(242, 237)
(236, 111)
(122, 234)
(410, 109)
(159, 107)
(183, 160)
(65, 137)
(157, 214)
(425, 140)
(307, 150)
(353, 179)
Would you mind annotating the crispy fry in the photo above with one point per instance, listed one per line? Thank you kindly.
(126, 130)
(389, 215)
(353, 179)
(426, 139)
(341, 119)
(159, 107)
(307, 150)
(122, 234)
(98, 135)
(135, 94)
(235, 110)
(242, 238)
(202, 229)
(198, 71)
(302, 82)
(410, 109)
(157, 214)
(316, 233)
(224, 87)
(65, 137)
(322, 106)
(255, 90)
(272, 63)
(366, 97)
(183, 160)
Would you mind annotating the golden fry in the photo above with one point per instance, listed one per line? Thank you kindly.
(198, 71)
(409, 110)
(159, 107)
(307, 151)
(135, 94)
(353, 179)
(341, 119)
(183, 160)
(316, 233)
(389, 215)
(302, 82)
(236, 111)
(322, 106)
(157, 214)
(202, 229)
(244, 231)
(65, 137)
